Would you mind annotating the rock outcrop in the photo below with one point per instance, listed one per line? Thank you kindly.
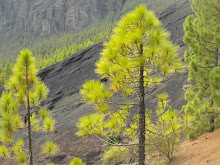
(51, 16)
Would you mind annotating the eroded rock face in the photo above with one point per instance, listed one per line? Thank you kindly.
(50, 16)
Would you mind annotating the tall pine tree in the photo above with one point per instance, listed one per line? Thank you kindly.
(202, 34)
(25, 91)
(137, 58)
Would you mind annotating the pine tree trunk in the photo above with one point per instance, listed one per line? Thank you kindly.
(212, 125)
(141, 145)
(29, 120)
(29, 133)
(212, 118)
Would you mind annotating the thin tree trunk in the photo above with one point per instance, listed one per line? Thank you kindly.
(212, 125)
(29, 120)
(29, 132)
(141, 145)
(212, 117)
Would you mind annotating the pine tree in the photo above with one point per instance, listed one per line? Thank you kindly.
(202, 34)
(1, 69)
(7, 70)
(25, 91)
(137, 58)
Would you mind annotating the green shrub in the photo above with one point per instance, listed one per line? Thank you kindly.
(77, 161)
(117, 154)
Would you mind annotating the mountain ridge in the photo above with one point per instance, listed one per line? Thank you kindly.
(51, 16)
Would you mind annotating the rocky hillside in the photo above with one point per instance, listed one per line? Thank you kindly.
(65, 79)
(49, 16)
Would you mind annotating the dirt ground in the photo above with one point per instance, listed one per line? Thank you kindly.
(204, 150)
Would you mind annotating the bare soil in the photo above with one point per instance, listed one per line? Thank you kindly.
(202, 151)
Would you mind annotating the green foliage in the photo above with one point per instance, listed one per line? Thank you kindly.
(77, 161)
(90, 124)
(164, 136)
(20, 155)
(215, 78)
(117, 154)
(4, 151)
(201, 34)
(49, 124)
(24, 91)
(7, 70)
(50, 148)
(139, 44)
(44, 113)
(21, 158)
(95, 92)
(18, 146)
(120, 61)
(11, 120)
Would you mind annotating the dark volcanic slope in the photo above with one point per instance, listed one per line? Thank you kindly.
(65, 79)
(173, 18)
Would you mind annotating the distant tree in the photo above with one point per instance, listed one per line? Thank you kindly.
(137, 58)
(7, 71)
(1, 69)
(1, 77)
(202, 34)
(25, 92)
